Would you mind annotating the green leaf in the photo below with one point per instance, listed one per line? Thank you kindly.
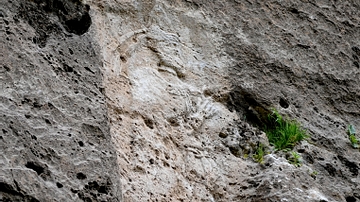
(354, 141)
(351, 130)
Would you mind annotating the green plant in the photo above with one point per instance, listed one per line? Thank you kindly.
(354, 141)
(295, 159)
(314, 174)
(351, 130)
(352, 137)
(259, 154)
(282, 133)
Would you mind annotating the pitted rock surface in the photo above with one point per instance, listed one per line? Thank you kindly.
(163, 100)
(55, 141)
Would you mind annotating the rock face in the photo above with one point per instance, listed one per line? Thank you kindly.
(55, 141)
(154, 100)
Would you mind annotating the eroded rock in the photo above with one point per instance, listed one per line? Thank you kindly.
(165, 97)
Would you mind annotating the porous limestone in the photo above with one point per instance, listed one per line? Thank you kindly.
(159, 100)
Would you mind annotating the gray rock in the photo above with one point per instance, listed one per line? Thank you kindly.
(165, 100)
(55, 139)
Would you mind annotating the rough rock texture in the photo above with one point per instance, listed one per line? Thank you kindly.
(158, 100)
(55, 141)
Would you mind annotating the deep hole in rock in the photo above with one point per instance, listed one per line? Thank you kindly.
(80, 176)
(350, 199)
(59, 185)
(79, 25)
(103, 190)
(301, 150)
(67, 68)
(254, 109)
(47, 121)
(35, 166)
(92, 185)
(223, 135)
(81, 144)
(173, 121)
(149, 123)
(123, 58)
(283, 103)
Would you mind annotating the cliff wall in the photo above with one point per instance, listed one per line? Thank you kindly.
(159, 100)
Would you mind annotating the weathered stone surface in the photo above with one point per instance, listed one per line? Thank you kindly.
(146, 100)
(55, 141)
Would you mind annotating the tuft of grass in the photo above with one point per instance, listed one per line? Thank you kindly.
(352, 137)
(259, 154)
(295, 159)
(283, 134)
